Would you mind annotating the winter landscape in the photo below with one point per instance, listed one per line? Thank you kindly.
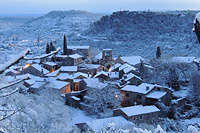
(121, 72)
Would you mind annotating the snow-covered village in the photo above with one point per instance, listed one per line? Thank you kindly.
(120, 72)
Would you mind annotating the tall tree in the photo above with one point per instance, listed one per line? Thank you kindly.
(52, 47)
(47, 48)
(158, 52)
(65, 46)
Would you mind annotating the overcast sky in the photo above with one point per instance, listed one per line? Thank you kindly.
(45, 6)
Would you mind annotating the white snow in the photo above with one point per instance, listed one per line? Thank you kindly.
(63, 76)
(94, 83)
(197, 17)
(30, 81)
(37, 85)
(131, 75)
(15, 59)
(75, 56)
(115, 66)
(101, 73)
(183, 59)
(132, 60)
(156, 94)
(114, 75)
(192, 129)
(129, 68)
(139, 109)
(50, 63)
(40, 68)
(68, 69)
(53, 74)
(96, 125)
(75, 98)
(143, 88)
(59, 84)
(78, 47)
(76, 75)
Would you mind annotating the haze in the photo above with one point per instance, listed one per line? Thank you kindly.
(97, 6)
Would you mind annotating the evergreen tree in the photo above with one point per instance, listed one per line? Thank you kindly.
(47, 48)
(64, 46)
(158, 53)
(52, 47)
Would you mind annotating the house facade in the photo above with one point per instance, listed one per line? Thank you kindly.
(139, 114)
(145, 94)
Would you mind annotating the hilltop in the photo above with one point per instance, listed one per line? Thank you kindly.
(138, 33)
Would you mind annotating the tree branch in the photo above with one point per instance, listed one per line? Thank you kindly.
(14, 112)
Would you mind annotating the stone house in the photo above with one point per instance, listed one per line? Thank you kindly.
(36, 87)
(69, 69)
(72, 60)
(139, 114)
(134, 61)
(50, 66)
(62, 86)
(84, 51)
(126, 69)
(145, 94)
(132, 79)
(35, 69)
(90, 68)
(102, 75)
(29, 82)
(115, 68)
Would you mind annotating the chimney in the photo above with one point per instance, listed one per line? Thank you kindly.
(147, 88)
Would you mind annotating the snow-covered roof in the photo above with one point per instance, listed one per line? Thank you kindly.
(76, 75)
(94, 83)
(122, 67)
(115, 66)
(101, 73)
(107, 49)
(90, 66)
(156, 94)
(129, 68)
(183, 59)
(78, 47)
(143, 88)
(53, 74)
(59, 84)
(75, 98)
(99, 56)
(68, 69)
(139, 110)
(40, 68)
(75, 56)
(37, 85)
(131, 75)
(113, 75)
(63, 76)
(29, 61)
(97, 124)
(30, 81)
(132, 60)
(50, 63)
(61, 56)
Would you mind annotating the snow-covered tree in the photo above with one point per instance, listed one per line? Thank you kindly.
(47, 48)
(103, 100)
(196, 28)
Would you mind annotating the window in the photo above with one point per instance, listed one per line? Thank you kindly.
(133, 117)
(141, 117)
(158, 89)
(138, 97)
(127, 94)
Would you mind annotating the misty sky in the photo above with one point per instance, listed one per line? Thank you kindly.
(44, 6)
